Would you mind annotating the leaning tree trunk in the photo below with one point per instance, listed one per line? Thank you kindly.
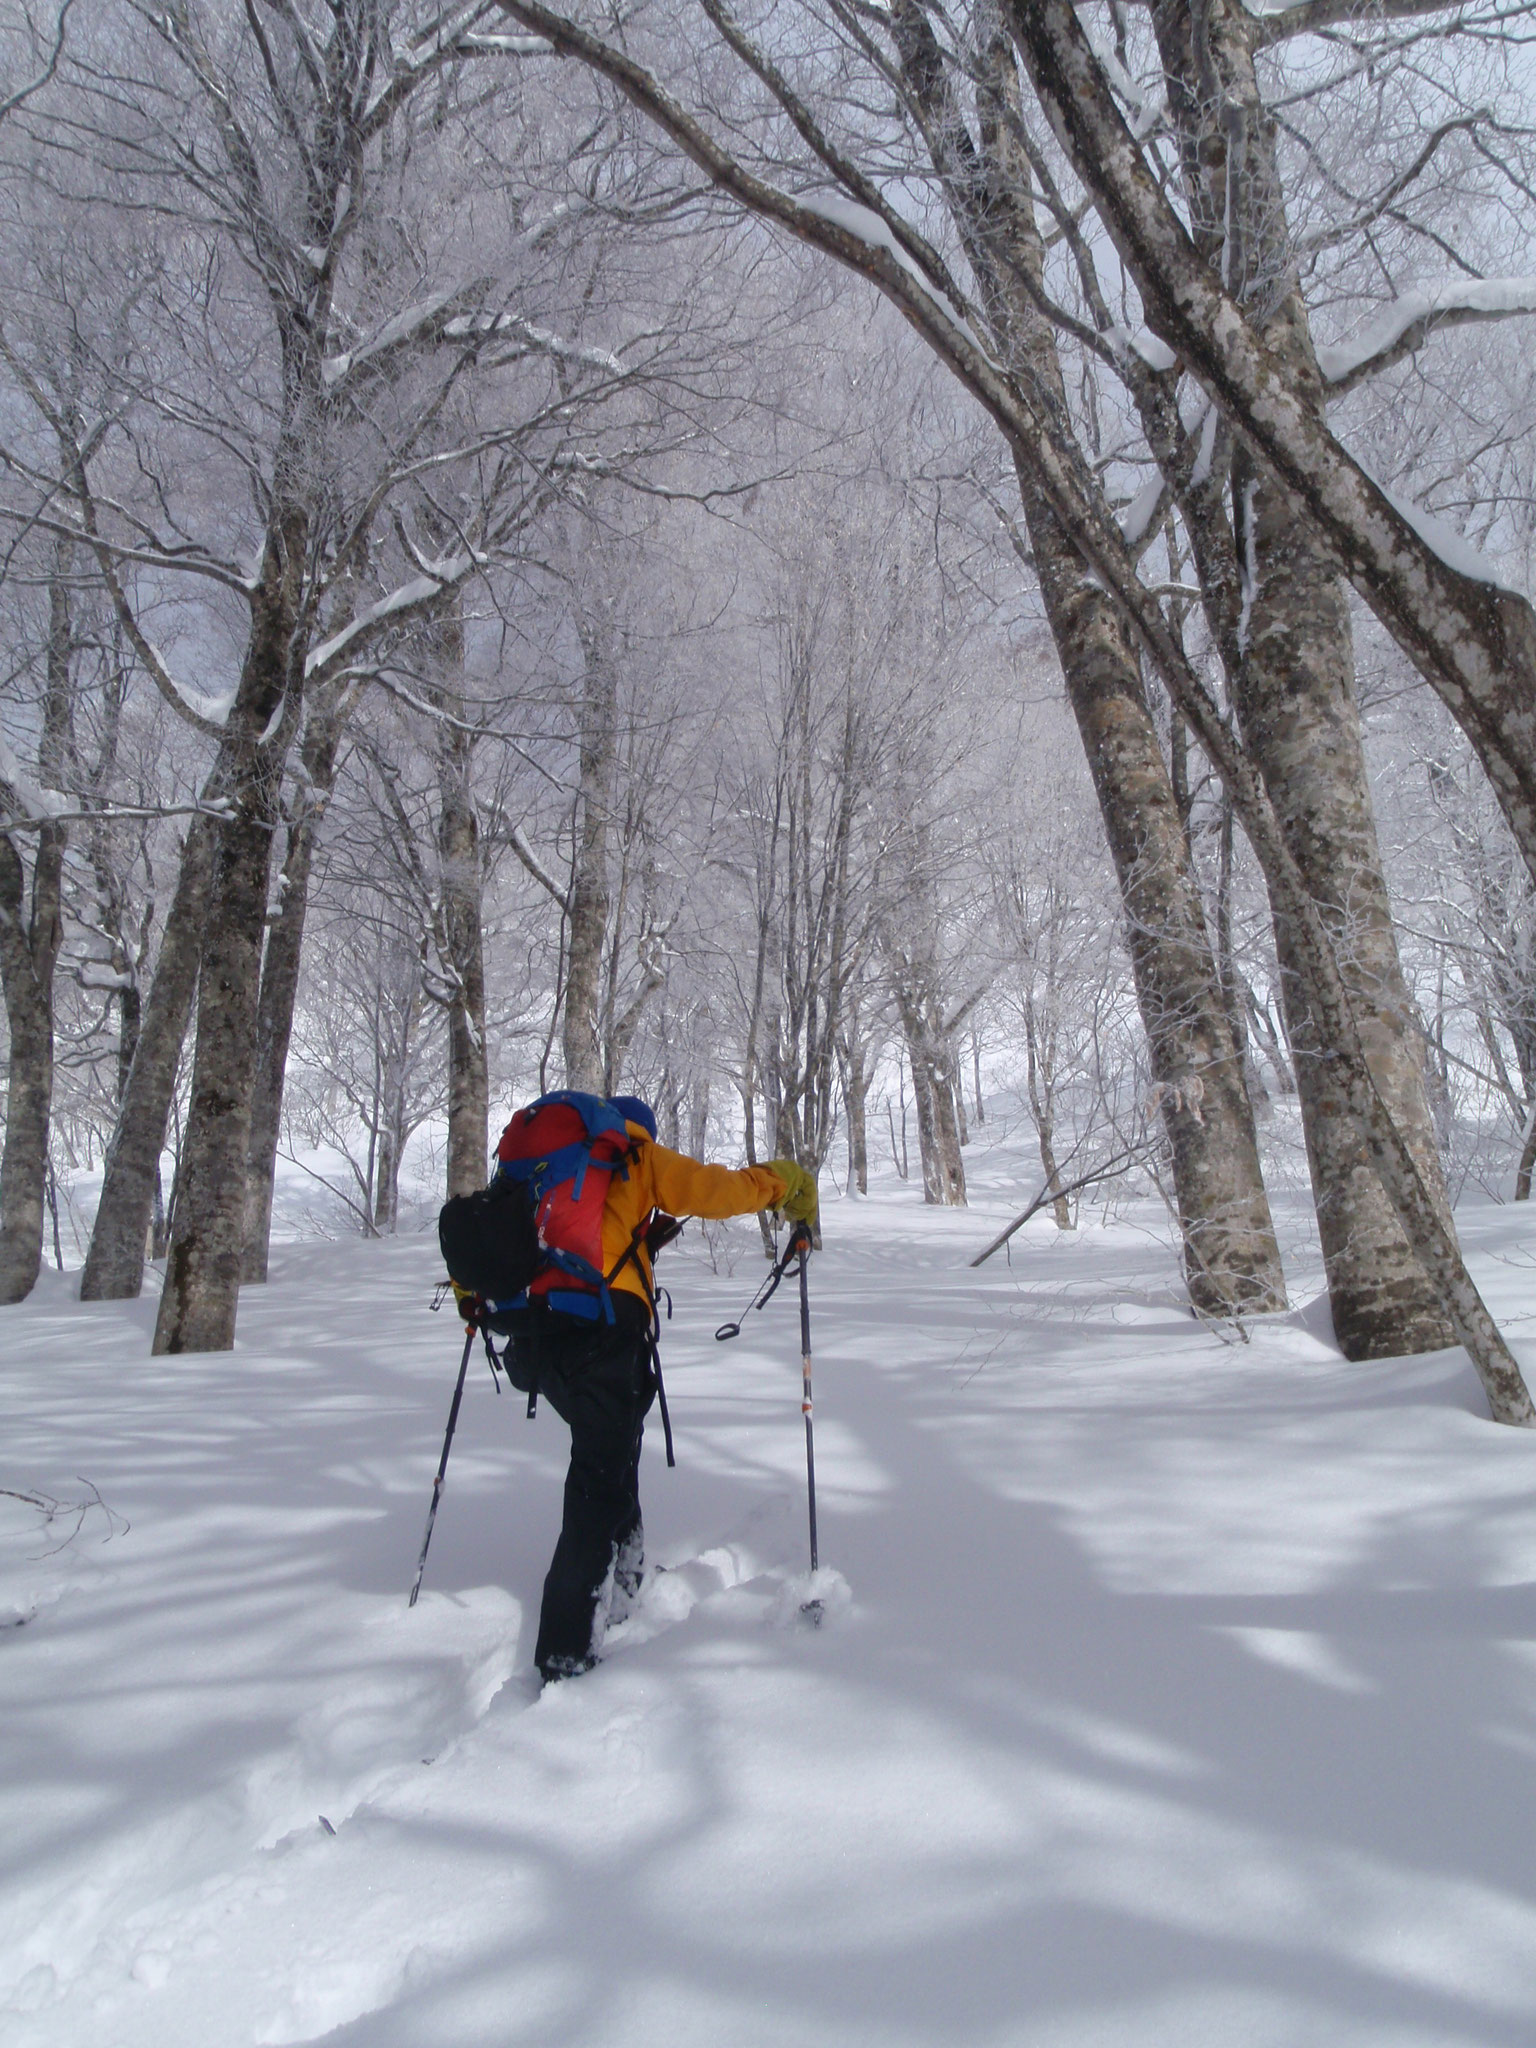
(1290, 664)
(202, 1274)
(280, 967)
(1296, 703)
(1231, 1258)
(114, 1260)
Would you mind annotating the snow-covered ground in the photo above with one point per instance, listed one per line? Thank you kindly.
(1183, 1691)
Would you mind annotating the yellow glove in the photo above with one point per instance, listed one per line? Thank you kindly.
(469, 1306)
(798, 1201)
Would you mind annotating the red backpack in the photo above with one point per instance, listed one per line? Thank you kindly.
(564, 1151)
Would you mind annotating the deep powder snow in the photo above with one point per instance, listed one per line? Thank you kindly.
(1172, 1690)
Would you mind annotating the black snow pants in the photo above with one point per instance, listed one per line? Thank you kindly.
(599, 1379)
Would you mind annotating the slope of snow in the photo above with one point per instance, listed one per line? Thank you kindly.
(1172, 1690)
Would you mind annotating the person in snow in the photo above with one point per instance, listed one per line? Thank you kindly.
(600, 1378)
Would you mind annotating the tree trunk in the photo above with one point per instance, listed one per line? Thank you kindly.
(386, 1181)
(202, 1275)
(1291, 672)
(1040, 1082)
(30, 938)
(938, 1129)
(590, 889)
(856, 1080)
(114, 1260)
(1299, 719)
(29, 947)
(458, 845)
(1231, 1259)
(280, 967)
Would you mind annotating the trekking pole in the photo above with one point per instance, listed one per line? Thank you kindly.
(442, 1463)
(812, 1609)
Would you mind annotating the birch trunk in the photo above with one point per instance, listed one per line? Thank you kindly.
(458, 847)
(31, 933)
(280, 967)
(202, 1274)
(938, 1126)
(1291, 672)
(590, 888)
(854, 1060)
(1295, 698)
(1039, 1080)
(1231, 1258)
(114, 1260)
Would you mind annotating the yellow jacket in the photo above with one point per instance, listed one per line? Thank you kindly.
(662, 1179)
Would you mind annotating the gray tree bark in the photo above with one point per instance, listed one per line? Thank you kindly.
(114, 1260)
(281, 962)
(202, 1275)
(462, 918)
(1291, 672)
(1231, 1258)
(591, 891)
(31, 933)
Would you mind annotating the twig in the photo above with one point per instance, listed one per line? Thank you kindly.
(1052, 1192)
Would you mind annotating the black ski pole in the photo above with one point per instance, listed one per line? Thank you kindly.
(812, 1608)
(442, 1463)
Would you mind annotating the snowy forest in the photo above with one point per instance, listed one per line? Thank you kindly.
(789, 590)
(941, 589)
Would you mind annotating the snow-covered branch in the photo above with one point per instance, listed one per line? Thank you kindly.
(106, 814)
(1310, 17)
(536, 868)
(406, 599)
(1407, 323)
(446, 317)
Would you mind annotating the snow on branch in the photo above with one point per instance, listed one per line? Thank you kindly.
(458, 37)
(867, 227)
(445, 317)
(111, 814)
(426, 320)
(539, 339)
(1407, 323)
(1272, 25)
(536, 867)
(1141, 341)
(414, 596)
(1453, 548)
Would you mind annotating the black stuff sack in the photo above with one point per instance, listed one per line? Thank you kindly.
(489, 1240)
